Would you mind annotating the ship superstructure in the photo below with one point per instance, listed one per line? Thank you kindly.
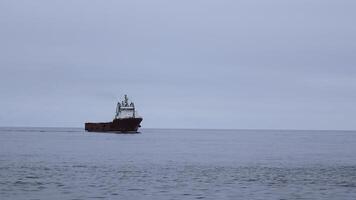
(126, 120)
(125, 110)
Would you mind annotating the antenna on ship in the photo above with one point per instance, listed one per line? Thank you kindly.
(126, 100)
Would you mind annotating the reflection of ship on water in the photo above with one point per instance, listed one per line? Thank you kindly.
(125, 120)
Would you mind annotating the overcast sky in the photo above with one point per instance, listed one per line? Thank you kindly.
(287, 64)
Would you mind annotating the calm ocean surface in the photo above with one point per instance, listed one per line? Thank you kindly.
(58, 163)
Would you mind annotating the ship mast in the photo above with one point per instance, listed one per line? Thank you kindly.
(126, 101)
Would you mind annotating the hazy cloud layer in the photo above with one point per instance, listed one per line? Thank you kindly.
(186, 64)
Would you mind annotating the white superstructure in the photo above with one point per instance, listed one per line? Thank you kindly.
(125, 109)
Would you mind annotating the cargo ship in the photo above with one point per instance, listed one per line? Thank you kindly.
(126, 120)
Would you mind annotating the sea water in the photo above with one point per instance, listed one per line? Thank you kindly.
(59, 163)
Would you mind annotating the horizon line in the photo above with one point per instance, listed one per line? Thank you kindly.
(225, 129)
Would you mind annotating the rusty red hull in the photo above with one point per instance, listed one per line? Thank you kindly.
(124, 125)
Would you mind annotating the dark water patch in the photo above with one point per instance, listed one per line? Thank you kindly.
(20, 182)
(32, 177)
(135, 189)
(59, 184)
(79, 166)
(347, 184)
